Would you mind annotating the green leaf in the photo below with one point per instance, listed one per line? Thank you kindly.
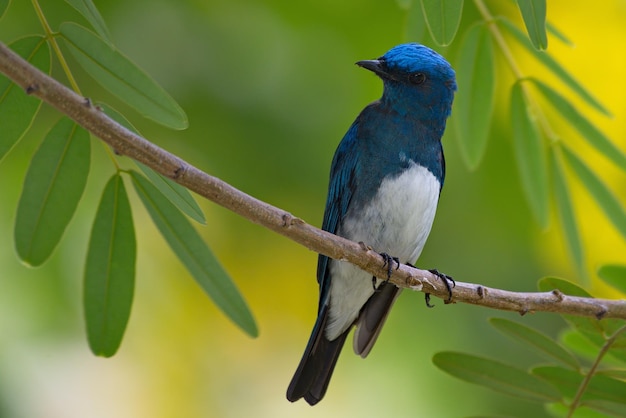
(176, 193)
(121, 77)
(567, 381)
(474, 102)
(602, 195)
(534, 15)
(530, 155)
(194, 254)
(555, 67)
(415, 28)
(591, 328)
(536, 340)
(404, 4)
(17, 109)
(614, 275)
(566, 212)
(110, 270)
(608, 408)
(52, 189)
(589, 132)
(559, 410)
(619, 374)
(596, 331)
(496, 376)
(4, 6)
(606, 388)
(548, 284)
(443, 18)
(558, 34)
(91, 13)
(600, 388)
(579, 344)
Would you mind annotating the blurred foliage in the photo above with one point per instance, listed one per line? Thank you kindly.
(268, 91)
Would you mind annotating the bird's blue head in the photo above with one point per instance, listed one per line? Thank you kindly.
(416, 79)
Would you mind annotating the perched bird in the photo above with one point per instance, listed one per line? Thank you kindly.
(385, 181)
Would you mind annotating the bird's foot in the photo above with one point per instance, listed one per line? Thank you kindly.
(446, 281)
(388, 262)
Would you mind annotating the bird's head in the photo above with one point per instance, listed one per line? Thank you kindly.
(416, 80)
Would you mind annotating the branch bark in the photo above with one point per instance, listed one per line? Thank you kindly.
(127, 143)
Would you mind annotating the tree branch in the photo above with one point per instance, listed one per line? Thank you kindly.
(127, 143)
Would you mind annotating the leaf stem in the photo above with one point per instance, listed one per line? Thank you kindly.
(497, 36)
(585, 383)
(517, 72)
(50, 36)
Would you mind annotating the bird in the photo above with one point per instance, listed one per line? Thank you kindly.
(385, 181)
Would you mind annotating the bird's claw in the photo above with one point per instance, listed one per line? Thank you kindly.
(446, 281)
(388, 262)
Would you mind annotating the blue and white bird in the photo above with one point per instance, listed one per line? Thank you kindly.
(385, 181)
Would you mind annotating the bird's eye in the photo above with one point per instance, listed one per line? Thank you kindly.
(417, 78)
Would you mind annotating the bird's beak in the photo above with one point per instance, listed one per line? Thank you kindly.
(373, 65)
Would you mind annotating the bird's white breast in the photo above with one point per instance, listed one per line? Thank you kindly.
(396, 221)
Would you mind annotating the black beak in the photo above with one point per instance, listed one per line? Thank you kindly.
(376, 66)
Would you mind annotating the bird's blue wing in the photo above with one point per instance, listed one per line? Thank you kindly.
(340, 192)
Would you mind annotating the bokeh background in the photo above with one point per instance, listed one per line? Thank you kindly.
(270, 88)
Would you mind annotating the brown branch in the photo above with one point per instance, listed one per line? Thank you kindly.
(127, 143)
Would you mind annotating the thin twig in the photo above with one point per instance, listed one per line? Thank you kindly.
(585, 383)
(127, 143)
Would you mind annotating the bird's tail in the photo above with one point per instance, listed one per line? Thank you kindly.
(318, 362)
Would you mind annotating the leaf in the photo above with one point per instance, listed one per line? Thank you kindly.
(560, 410)
(530, 155)
(547, 60)
(121, 77)
(4, 6)
(567, 381)
(443, 18)
(600, 388)
(558, 34)
(608, 408)
(91, 13)
(194, 254)
(415, 28)
(589, 132)
(176, 193)
(52, 189)
(475, 100)
(596, 331)
(404, 4)
(496, 376)
(110, 270)
(566, 212)
(17, 109)
(536, 340)
(548, 284)
(619, 374)
(591, 328)
(534, 15)
(614, 275)
(601, 194)
(579, 344)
